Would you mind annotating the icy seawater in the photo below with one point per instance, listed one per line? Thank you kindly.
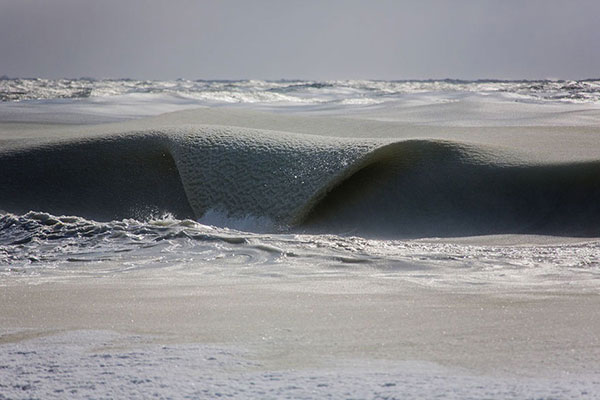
(443, 183)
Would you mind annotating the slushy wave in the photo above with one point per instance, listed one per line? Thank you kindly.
(372, 187)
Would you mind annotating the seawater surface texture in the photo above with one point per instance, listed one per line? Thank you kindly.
(288, 238)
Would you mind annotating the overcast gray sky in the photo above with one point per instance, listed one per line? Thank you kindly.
(269, 39)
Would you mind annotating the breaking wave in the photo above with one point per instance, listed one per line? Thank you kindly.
(280, 181)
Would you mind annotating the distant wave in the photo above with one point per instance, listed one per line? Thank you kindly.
(409, 188)
(296, 92)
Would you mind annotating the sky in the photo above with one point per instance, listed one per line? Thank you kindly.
(305, 39)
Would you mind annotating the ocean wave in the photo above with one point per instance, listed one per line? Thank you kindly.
(385, 187)
(215, 92)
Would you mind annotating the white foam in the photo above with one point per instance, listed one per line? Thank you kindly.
(246, 223)
(103, 364)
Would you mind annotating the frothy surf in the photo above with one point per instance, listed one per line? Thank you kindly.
(44, 248)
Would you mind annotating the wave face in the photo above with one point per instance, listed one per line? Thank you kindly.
(429, 188)
(391, 188)
(111, 178)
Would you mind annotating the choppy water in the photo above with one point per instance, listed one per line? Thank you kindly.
(296, 92)
(43, 247)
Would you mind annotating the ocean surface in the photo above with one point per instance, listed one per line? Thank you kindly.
(458, 184)
(299, 239)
